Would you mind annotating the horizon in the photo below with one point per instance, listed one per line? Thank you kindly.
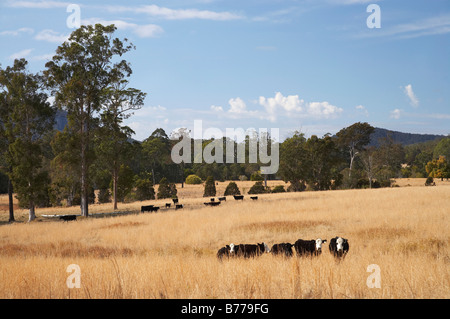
(296, 65)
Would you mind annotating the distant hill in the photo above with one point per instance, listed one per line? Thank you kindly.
(400, 137)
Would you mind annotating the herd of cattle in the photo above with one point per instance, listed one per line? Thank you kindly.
(338, 248)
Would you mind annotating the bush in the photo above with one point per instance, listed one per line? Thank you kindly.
(256, 176)
(193, 180)
(430, 181)
(278, 189)
(104, 196)
(144, 189)
(166, 190)
(210, 187)
(232, 189)
(257, 188)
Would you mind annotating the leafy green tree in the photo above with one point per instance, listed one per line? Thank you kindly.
(442, 149)
(144, 189)
(293, 162)
(28, 118)
(438, 168)
(232, 189)
(81, 75)
(353, 139)
(193, 180)
(125, 182)
(210, 187)
(257, 188)
(166, 189)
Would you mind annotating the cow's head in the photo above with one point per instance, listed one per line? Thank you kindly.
(231, 248)
(263, 247)
(319, 243)
(340, 244)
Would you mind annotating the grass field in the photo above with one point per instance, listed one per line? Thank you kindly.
(172, 254)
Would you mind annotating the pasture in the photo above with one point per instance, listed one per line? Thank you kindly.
(172, 253)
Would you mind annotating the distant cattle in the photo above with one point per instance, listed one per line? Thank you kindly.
(178, 206)
(223, 252)
(212, 203)
(249, 250)
(168, 205)
(222, 199)
(238, 197)
(175, 200)
(147, 208)
(309, 247)
(213, 199)
(339, 247)
(254, 197)
(67, 218)
(283, 248)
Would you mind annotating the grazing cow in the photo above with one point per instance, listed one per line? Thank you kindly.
(147, 208)
(338, 247)
(254, 197)
(249, 250)
(283, 248)
(224, 252)
(238, 197)
(222, 198)
(212, 203)
(309, 247)
(213, 199)
(175, 200)
(67, 218)
(154, 209)
(168, 205)
(178, 206)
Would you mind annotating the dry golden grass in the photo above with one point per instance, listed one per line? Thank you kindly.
(172, 254)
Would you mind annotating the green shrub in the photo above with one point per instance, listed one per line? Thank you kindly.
(166, 190)
(193, 180)
(257, 188)
(278, 189)
(210, 187)
(232, 189)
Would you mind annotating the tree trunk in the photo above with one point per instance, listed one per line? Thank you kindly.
(11, 201)
(32, 213)
(84, 178)
(115, 179)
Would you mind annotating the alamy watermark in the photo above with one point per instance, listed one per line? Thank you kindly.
(259, 147)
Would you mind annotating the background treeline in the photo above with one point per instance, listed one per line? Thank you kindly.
(93, 157)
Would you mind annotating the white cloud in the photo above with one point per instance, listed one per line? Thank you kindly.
(177, 14)
(362, 109)
(395, 114)
(51, 36)
(323, 110)
(410, 94)
(216, 108)
(143, 31)
(37, 4)
(237, 106)
(21, 54)
(17, 32)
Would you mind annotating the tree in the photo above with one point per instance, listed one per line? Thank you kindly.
(257, 188)
(80, 76)
(370, 162)
(28, 118)
(442, 148)
(353, 139)
(193, 180)
(438, 168)
(232, 189)
(166, 190)
(144, 189)
(293, 162)
(210, 187)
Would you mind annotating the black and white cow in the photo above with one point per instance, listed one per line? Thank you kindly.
(223, 252)
(249, 250)
(283, 248)
(339, 247)
(311, 247)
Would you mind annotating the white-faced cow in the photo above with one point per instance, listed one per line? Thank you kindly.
(339, 247)
(249, 250)
(282, 249)
(311, 247)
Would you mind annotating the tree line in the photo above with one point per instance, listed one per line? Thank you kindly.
(89, 79)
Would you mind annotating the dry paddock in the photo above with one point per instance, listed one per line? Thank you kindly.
(172, 254)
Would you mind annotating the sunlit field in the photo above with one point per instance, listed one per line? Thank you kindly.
(172, 254)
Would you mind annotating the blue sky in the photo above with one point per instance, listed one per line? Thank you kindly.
(307, 65)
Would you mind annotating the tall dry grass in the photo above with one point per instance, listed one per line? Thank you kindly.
(405, 231)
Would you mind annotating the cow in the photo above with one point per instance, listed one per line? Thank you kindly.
(223, 252)
(212, 199)
(309, 247)
(249, 250)
(238, 197)
(168, 205)
(154, 209)
(283, 248)
(175, 200)
(212, 203)
(338, 247)
(222, 199)
(147, 208)
(254, 197)
(178, 206)
(67, 218)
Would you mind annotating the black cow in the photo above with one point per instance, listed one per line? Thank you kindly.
(222, 198)
(67, 218)
(238, 197)
(254, 197)
(223, 252)
(175, 200)
(147, 208)
(154, 209)
(309, 247)
(178, 206)
(249, 250)
(339, 247)
(168, 205)
(283, 248)
(212, 203)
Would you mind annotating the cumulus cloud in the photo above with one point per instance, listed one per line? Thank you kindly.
(323, 110)
(362, 109)
(21, 54)
(142, 31)
(237, 106)
(395, 114)
(51, 36)
(411, 96)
